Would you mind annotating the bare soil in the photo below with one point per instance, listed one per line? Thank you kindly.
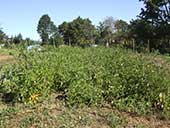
(5, 57)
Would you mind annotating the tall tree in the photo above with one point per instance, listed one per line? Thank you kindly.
(142, 32)
(106, 29)
(157, 14)
(46, 28)
(156, 11)
(109, 24)
(121, 26)
(56, 39)
(121, 31)
(64, 30)
(17, 39)
(78, 32)
(3, 37)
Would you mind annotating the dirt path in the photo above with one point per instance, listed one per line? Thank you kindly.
(134, 120)
(6, 59)
(150, 122)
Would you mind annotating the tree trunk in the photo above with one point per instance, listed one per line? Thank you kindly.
(69, 41)
(133, 41)
(148, 46)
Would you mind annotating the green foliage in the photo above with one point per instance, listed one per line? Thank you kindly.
(106, 30)
(114, 121)
(17, 39)
(82, 92)
(121, 26)
(121, 33)
(153, 25)
(156, 11)
(89, 76)
(79, 32)
(56, 39)
(46, 28)
(2, 35)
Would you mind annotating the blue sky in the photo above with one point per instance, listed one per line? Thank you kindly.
(21, 16)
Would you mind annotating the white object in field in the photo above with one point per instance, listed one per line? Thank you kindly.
(2, 45)
(107, 44)
(94, 45)
(34, 47)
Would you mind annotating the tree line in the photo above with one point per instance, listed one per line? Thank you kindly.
(80, 32)
(148, 32)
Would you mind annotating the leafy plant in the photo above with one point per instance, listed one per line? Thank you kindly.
(89, 76)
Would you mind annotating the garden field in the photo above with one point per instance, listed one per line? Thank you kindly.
(72, 87)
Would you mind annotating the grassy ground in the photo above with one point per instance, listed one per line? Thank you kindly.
(53, 113)
(7, 56)
(9, 51)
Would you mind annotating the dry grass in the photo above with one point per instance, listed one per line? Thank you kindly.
(54, 114)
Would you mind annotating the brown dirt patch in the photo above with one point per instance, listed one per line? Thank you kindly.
(150, 122)
(5, 57)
